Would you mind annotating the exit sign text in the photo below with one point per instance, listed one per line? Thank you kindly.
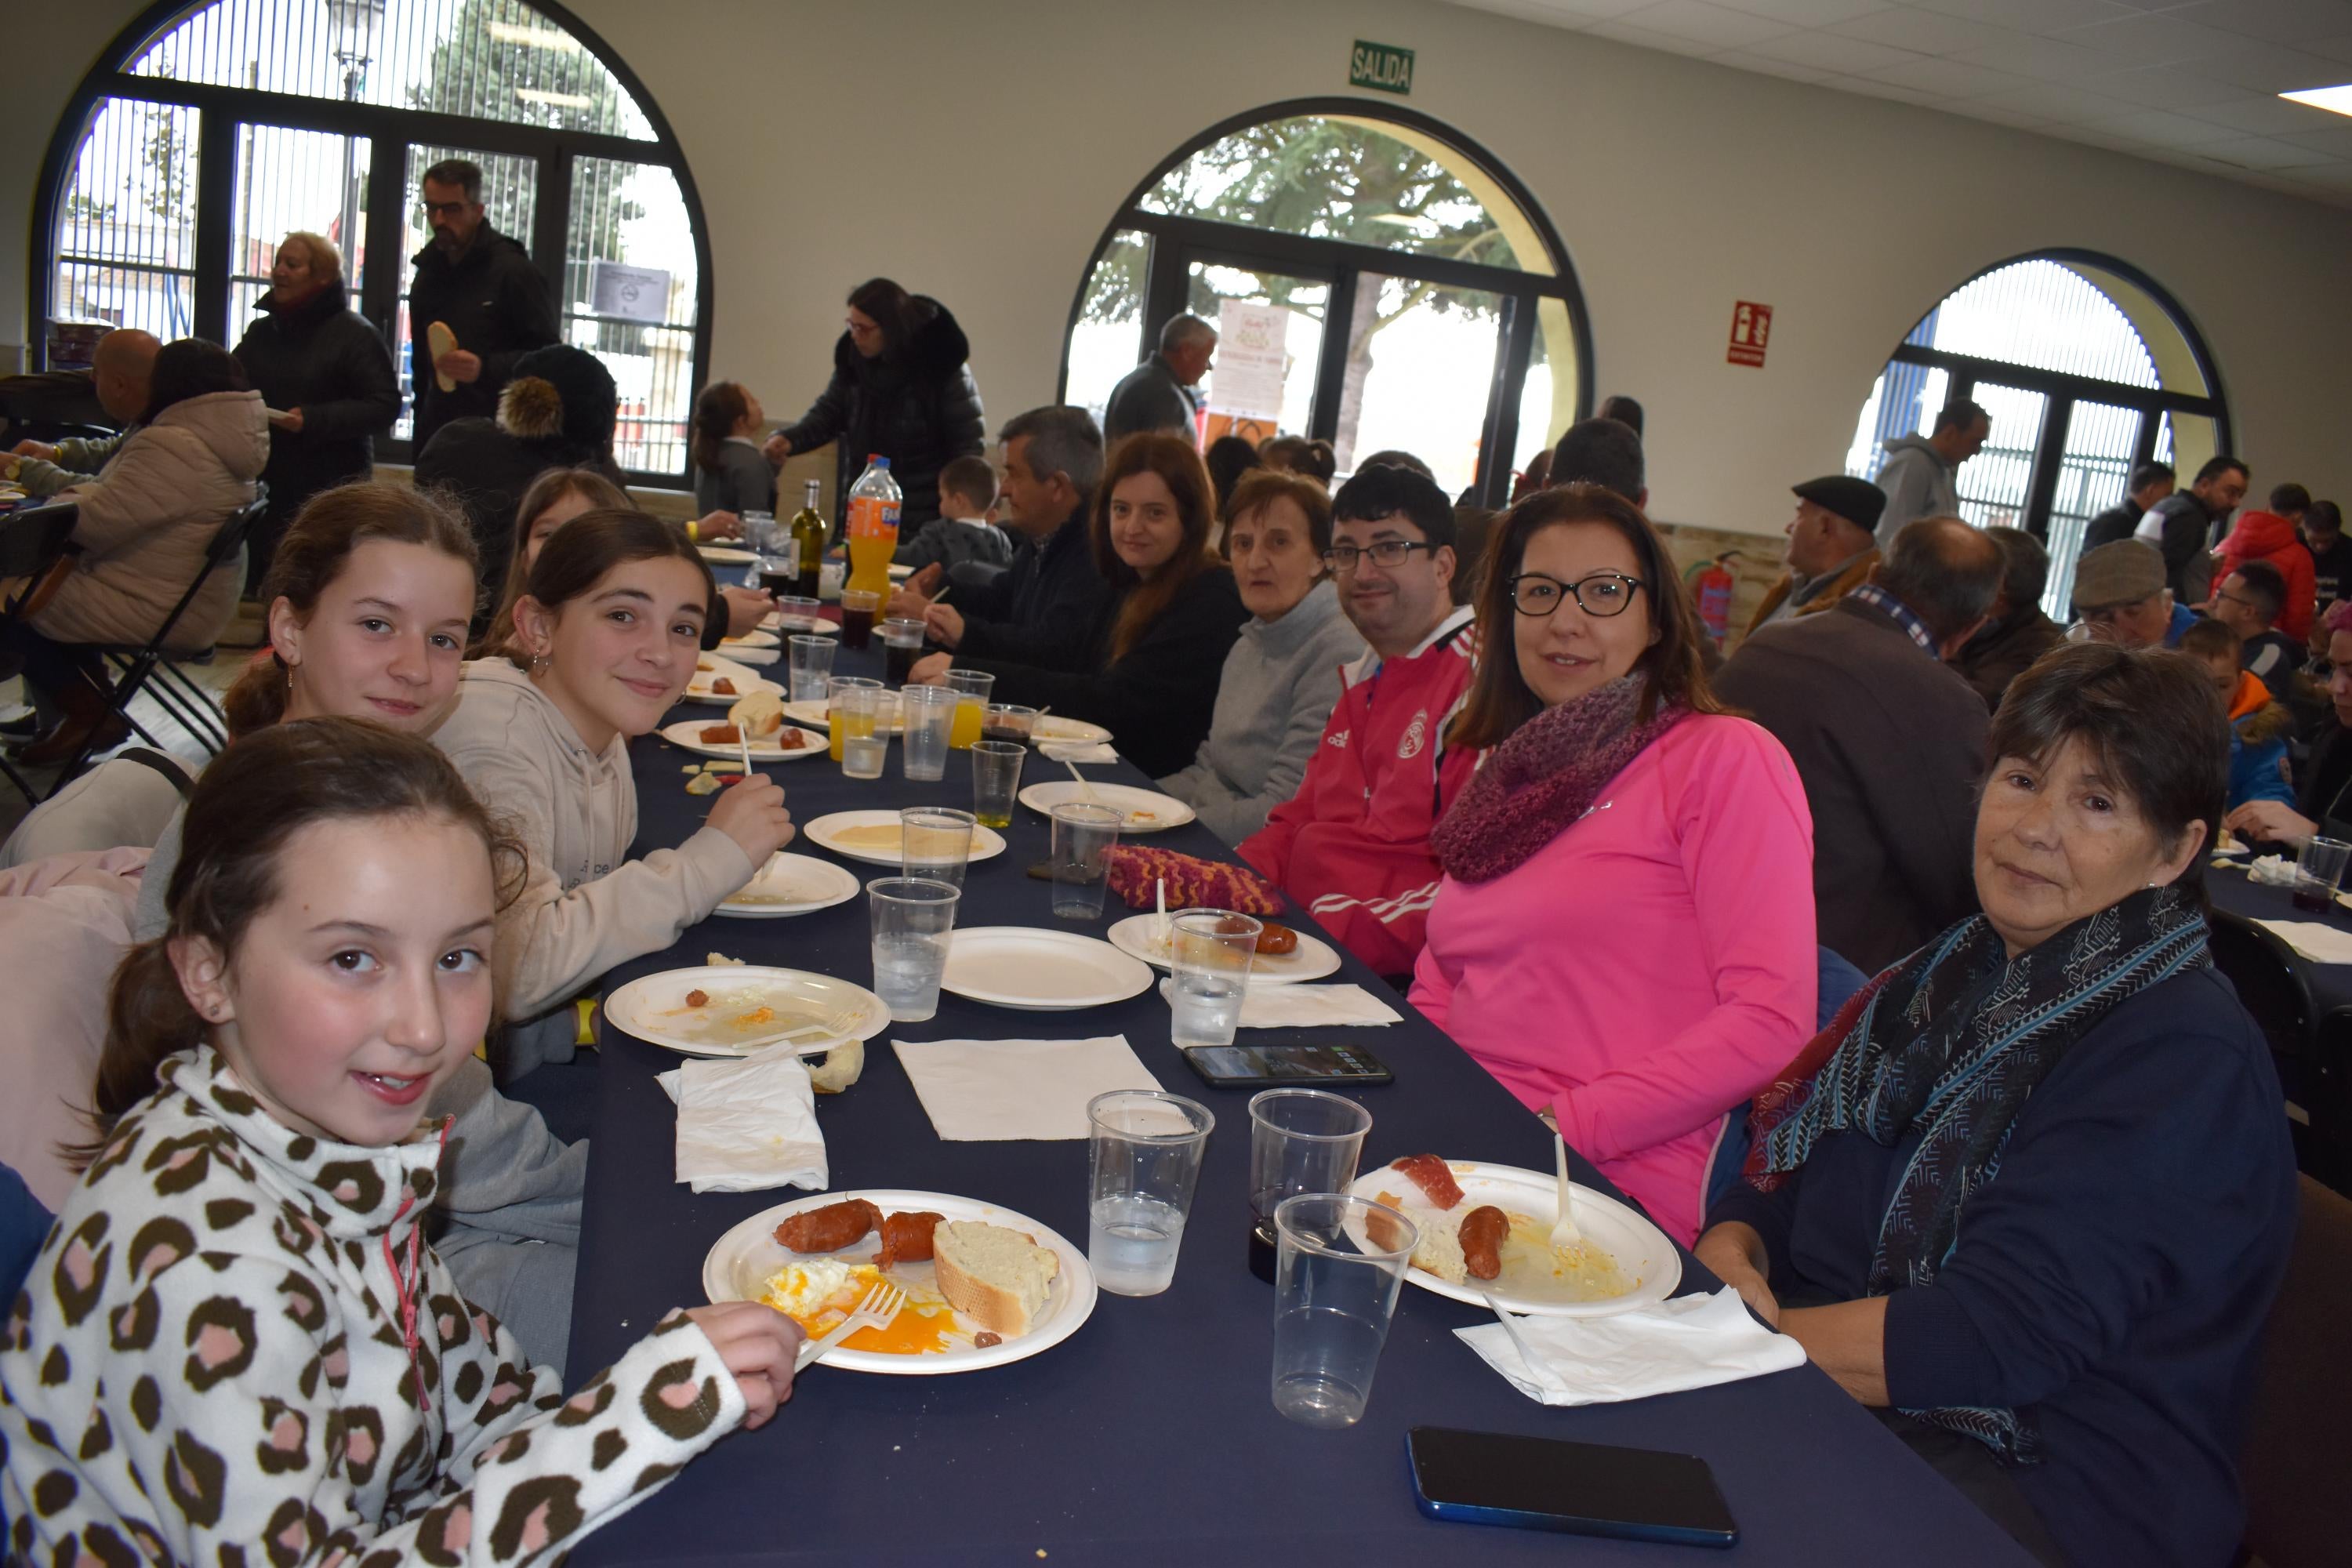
(1384, 68)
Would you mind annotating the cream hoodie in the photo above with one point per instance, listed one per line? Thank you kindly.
(585, 907)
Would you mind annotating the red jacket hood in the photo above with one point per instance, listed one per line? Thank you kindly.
(2260, 533)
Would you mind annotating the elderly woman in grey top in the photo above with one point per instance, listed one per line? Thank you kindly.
(1281, 678)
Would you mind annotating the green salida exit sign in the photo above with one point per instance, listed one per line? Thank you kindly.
(1384, 68)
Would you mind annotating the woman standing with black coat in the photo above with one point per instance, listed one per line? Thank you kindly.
(326, 377)
(900, 388)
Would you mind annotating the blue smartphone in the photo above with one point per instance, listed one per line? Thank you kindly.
(1580, 1489)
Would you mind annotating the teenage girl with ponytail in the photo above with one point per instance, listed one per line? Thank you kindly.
(235, 1333)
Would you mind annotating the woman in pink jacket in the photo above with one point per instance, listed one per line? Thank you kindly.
(1624, 933)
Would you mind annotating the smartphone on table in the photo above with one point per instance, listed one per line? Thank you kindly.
(1240, 1066)
(1580, 1489)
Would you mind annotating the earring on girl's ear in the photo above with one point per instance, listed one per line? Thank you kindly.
(540, 661)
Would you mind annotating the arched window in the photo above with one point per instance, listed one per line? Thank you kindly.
(1409, 292)
(2086, 369)
(209, 132)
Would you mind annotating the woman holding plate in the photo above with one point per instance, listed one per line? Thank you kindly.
(2030, 1194)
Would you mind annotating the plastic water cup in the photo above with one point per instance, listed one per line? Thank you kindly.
(912, 919)
(862, 756)
(759, 532)
(995, 781)
(971, 688)
(845, 714)
(1340, 1264)
(925, 713)
(795, 606)
(1301, 1141)
(935, 842)
(1209, 953)
(2318, 872)
(1144, 1147)
(1083, 837)
(811, 666)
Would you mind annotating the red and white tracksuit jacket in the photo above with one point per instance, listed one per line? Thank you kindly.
(1352, 845)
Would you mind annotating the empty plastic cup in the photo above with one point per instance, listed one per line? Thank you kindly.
(1341, 1262)
(926, 711)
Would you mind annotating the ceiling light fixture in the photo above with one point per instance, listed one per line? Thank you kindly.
(2335, 100)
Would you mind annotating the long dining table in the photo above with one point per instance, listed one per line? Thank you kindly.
(1150, 1436)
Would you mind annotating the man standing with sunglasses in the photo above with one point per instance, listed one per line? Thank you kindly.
(1889, 740)
(482, 286)
(1353, 843)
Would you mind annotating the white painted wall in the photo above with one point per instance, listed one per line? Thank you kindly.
(975, 152)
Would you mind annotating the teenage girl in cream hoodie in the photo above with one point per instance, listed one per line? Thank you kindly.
(235, 1341)
(606, 639)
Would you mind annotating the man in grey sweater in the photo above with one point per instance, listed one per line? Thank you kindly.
(1920, 473)
(1160, 394)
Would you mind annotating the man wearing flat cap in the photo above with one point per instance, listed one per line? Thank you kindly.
(1830, 548)
(1889, 740)
(2120, 596)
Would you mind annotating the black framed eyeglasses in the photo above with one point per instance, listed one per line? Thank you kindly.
(1602, 593)
(1387, 553)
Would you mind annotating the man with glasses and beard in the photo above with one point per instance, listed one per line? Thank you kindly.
(482, 286)
(1353, 843)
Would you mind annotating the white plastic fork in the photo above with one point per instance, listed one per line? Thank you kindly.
(831, 1029)
(1563, 1229)
(881, 1306)
(1526, 1351)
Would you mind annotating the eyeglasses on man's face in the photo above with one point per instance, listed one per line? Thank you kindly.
(1603, 594)
(1384, 553)
(450, 210)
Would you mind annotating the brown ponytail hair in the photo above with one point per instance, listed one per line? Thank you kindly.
(552, 485)
(1180, 468)
(332, 525)
(575, 559)
(720, 407)
(247, 808)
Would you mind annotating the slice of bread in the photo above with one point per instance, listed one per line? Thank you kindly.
(995, 1277)
(1439, 1248)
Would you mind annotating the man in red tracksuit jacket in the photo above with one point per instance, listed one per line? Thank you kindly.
(1352, 845)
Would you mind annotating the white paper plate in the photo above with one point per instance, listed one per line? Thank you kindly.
(813, 711)
(687, 733)
(791, 885)
(900, 573)
(1148, 811)
(650, 1009)
(782, 625)
(824, 833)
(1642, 1250)
(745, 684)
(758, 636)
(1059, 731)
(727, 555)
(1040, 971)
(738, 1266)
(1312, 959)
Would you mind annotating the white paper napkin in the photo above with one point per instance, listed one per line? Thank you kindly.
(1079, 751)
(1313, 1007)
(753, 655)
(746, 1124)
(2320, 943)
(1691, 1342)
(984, 1090)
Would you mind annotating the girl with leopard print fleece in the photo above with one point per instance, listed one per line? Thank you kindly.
(234, 1345)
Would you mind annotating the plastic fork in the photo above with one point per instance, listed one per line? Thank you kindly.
(1563, 1229)
(1526, 1351)
(878, 1310)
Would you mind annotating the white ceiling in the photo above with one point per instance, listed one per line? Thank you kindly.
(2191, 82)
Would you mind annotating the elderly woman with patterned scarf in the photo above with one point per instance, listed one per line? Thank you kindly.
(2030, 1194)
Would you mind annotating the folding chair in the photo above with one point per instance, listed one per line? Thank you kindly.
(2275, 990)
(33, 546)
(150, 666)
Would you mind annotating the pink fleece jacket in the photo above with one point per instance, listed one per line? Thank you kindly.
(1650, 968)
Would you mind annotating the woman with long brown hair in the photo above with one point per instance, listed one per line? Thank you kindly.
(731, 474)
(1172, 616)
(1624, 933)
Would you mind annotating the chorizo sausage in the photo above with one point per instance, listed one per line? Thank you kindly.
(830, 1228)
(1483, 1231)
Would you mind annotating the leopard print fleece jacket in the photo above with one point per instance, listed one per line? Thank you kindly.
(234, 1348)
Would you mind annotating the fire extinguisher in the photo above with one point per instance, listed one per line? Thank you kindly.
(1711, 583)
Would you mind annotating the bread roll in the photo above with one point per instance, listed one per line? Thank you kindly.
(997, 1278)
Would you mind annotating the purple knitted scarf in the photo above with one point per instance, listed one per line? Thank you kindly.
(1545, 778)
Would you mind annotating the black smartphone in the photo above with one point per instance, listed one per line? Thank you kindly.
(1582, 1488)
(1238, 1067)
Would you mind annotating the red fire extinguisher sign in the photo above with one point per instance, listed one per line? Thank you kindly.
(1751, 329)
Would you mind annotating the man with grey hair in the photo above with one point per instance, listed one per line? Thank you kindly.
(2016, 632)
(1161, 393)
(1889, 740)
(122, 371)
(1042, 610)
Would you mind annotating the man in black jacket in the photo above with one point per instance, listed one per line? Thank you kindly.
(1162, 394)
(327, 379)
(1042, 611)
(2151, 483)
(2186, 524)
(482, 286)
(1889, 740)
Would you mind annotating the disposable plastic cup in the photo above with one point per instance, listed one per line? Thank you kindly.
(995, 781)
(1334, 1296)
(845, 715)
(971, 688)
(1208, 955)
(2318, 872)
(1083, 837)
(1144, 1149)
(811, 666)
(935, 842)
(902, 644)
(926, 712)
(862, 756)
(1301, 1141)
(912, 918)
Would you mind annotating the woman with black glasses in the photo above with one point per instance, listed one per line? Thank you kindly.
(1625, 934)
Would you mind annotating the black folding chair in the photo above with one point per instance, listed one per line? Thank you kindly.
(152, 668)
(32, 545)
(2272, 984)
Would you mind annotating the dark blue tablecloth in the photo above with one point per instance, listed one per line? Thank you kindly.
(2233, 890)
(1150, 1436)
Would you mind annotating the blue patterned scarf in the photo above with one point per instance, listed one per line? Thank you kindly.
(1949, 1043)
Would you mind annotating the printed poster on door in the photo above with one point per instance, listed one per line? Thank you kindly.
(1253, 352)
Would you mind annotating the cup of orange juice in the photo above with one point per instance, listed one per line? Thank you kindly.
(845, 713)
(971, 688)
